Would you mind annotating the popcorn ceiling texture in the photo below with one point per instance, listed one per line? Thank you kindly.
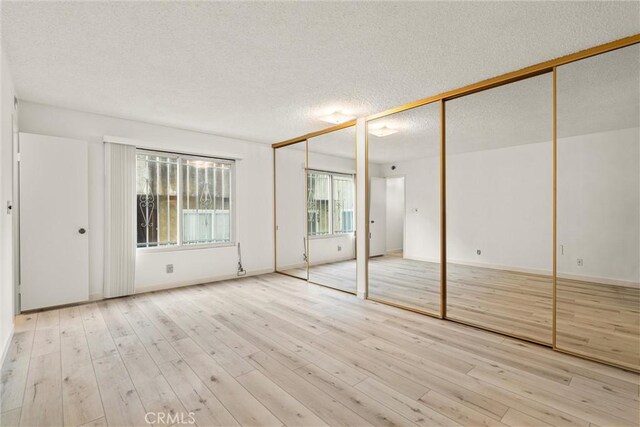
(266, 71)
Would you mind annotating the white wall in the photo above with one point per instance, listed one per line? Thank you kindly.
(6, 189)
(254, 202)
(323, 250)
(395, 214)
(422, 202)
(500, 201)
(599, 205)
(290, 207)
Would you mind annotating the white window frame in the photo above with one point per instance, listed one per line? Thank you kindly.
(331, 174)
(180, 245)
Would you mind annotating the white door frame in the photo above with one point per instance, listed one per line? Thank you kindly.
(15, 207)
(404, 208)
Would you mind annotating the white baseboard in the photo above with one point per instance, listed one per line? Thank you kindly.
(527, 270)
(322, 262)
(331, 261)
(291, 266)
(7, 344)
(590, 279)
(200, 281)
(603, 280)
(419, 258)
(96, 297)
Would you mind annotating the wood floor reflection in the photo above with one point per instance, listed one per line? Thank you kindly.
(594, 319)
(599, 320)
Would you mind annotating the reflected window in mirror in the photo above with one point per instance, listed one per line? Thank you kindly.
(331, 189)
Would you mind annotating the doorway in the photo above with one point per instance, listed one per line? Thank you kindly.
(395, 216)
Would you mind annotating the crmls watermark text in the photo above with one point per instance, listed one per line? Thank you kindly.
(169, 418)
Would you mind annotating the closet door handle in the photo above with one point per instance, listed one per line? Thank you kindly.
(82, 231)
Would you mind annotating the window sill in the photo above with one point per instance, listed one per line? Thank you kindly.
(179, 248)
(330, 236)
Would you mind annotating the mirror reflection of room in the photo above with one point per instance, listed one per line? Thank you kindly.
(404, 208)
(291, 225)
(499, 182)
(598, 207)
(331, 214)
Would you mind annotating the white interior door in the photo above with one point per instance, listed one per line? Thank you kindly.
(377, 216)
(54, 250)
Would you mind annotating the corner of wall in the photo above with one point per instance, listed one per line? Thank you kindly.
(7, 344)
(362, 239)
(7, 112)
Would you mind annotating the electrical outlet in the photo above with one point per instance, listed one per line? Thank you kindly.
(478, 251)
(580, 262)
(169, 268)
(339, 248)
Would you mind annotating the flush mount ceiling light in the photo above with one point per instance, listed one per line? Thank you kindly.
(336, 118)
(383, 131)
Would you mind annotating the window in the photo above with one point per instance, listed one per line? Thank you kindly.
(206, 202)
(330, 203)
(343, 204)
(318, 203)
(183, 200)
(157, 199)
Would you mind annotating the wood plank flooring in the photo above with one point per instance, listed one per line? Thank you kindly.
(599, 320)
(271, 350)
(594, 319)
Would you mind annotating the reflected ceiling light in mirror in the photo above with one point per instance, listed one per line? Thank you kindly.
(383, 131)
(337, 118)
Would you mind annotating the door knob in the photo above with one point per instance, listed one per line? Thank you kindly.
(82, 231)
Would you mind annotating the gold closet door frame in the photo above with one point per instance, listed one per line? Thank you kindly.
(514, 76)
(443, 267)
(305, 139)
(525, 73)
(555, 212)
(553, 239)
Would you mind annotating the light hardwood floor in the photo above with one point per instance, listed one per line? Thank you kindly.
(594, 319)
(599, 320)
(271, 350)
(339, 275)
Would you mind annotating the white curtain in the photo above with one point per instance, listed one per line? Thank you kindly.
(120, 220)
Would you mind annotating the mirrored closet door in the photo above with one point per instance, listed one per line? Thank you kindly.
(331, 209)
(598, 207)
(404, 209)
(290, 210)
(499, 157)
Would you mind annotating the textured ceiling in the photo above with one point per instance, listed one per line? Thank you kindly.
(597, 94)
(341, 143)
(266, 71)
